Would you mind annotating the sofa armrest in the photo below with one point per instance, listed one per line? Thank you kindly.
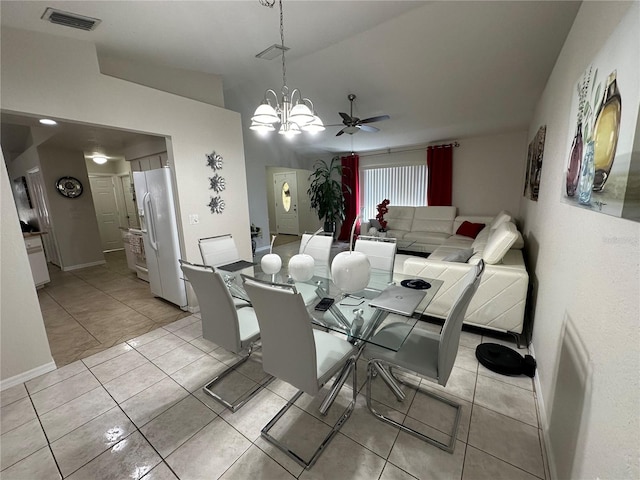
(499, 302)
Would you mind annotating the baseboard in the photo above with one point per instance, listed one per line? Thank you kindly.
(83, 265)
(26, 376)
(542, 417)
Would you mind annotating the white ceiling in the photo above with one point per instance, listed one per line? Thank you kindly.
(441, 70)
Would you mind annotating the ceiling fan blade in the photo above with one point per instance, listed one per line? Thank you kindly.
(379, 118)
(340, 133)
(346, 118)
(368, 128)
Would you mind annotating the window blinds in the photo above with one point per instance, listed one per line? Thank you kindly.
(405, 185)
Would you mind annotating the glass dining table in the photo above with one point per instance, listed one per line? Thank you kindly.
(350, 314)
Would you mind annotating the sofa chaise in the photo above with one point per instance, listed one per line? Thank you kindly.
(499, 303)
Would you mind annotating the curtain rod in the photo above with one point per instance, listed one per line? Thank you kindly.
(421, 148)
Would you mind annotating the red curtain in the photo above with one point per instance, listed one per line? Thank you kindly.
(440, 166)
(350, 178)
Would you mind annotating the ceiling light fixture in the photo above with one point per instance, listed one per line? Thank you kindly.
(99, 159)
(294, 113)
(48, 121)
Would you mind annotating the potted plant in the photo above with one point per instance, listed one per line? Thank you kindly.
(325, 192)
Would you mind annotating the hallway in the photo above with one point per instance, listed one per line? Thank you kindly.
(89, 310)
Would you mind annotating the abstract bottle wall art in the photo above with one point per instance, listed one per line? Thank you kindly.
(602, 160)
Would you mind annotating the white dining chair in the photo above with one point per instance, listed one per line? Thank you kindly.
(297, 353)
(218, 250)
(225, 323)
(427, 354)
(381, 252)
(318, 246)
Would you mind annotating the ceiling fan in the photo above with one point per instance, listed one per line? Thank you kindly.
(354, 124)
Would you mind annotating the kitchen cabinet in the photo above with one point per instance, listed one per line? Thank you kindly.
(37, 260)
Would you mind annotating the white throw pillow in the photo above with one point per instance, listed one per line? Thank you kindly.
(500, 241)
(500, 218)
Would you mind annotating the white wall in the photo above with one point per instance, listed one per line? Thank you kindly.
(488, 171)
(585, 266)
(200, 86)
(59, 78)
(24, 346)
(76, 227)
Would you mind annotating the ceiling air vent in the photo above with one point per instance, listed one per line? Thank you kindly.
(68, 19)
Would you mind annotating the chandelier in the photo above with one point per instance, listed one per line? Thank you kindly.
(293, 112)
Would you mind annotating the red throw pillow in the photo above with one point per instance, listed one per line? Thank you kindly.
(469, 229)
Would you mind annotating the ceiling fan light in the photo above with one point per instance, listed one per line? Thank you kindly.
(265, 113)
(351, 129)
(315, 126)
(301, 114)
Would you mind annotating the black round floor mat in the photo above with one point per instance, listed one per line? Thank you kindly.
(501, 359)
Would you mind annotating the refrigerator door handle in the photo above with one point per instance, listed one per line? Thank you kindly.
(151, 226)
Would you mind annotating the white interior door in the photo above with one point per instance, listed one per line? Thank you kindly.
(37, 193)
(285, 190)
(104, 201)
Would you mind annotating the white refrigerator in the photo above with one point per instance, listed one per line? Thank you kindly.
(156, 208)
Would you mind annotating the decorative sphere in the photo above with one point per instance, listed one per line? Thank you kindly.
(301, 267)
(350, 271)
(373, 231)
(271, 263)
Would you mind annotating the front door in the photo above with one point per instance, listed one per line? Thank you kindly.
(286, 198)
(104, 201)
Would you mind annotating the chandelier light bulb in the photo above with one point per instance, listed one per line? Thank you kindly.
(291, 112)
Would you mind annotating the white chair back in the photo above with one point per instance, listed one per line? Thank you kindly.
(319, 247)
(450, 334)
(381, 253)
(218, 312)
(220, 250)
(288, 346)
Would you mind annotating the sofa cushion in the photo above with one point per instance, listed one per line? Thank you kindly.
(434, 219)
(459, 241)
(461, 256)
(427, 237)
(399, 218)
(499, 243)
(397, 234)
(501, 217)
(469, 229)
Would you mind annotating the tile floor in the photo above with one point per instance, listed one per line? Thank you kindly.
(137, 410)
(89, 310)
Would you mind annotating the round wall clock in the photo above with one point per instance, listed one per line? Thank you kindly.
(69, 187)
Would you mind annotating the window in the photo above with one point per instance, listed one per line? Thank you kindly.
(401, 185)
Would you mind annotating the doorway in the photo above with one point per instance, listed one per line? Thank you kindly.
(36, 188)
(286, 203)
(107, 213)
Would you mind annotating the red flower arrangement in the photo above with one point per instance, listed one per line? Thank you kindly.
(382, 209)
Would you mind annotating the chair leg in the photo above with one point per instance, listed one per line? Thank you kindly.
(343, 418)
(448, 447)
(234, 407)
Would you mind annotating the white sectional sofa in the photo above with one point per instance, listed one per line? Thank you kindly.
(499, 303)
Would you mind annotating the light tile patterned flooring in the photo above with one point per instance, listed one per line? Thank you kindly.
(89, 310)
(137, 410)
